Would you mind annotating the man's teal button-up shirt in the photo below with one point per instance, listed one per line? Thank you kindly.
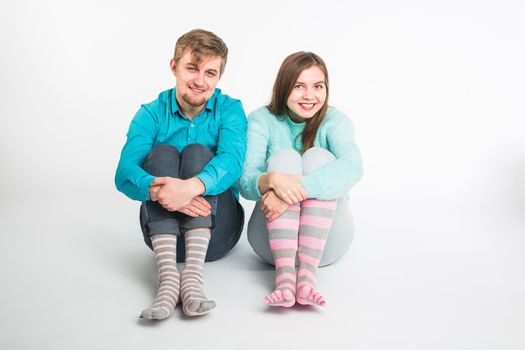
(221, 127)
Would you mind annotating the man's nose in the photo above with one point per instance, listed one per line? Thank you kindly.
(199, 79)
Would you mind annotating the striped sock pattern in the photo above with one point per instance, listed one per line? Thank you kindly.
(194, 301)
(283, 244)
(315, 223)
(165, 249)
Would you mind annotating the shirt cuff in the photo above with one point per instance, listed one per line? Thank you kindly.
(145, 182)
(206, 180)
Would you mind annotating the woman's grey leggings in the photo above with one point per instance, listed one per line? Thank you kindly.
(291, 162)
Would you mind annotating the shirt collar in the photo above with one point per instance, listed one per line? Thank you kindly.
(209, 105)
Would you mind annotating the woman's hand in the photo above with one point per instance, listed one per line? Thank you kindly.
(272, 206)
(287, 187)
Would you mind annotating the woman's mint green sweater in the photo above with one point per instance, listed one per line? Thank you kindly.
(268, 134)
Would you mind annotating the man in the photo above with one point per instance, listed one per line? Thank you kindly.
(183, 155)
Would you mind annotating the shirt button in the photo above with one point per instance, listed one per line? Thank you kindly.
(192, 125)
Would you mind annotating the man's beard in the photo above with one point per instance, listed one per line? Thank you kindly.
(192, 101)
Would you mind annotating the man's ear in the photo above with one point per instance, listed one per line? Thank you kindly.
(173, 66)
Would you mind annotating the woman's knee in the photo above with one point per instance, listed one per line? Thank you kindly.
(314, 158)
(285, 161)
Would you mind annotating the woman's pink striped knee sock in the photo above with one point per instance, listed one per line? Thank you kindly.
(315, 224)
(283, 233)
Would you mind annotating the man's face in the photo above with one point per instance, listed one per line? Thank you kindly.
(196, 83)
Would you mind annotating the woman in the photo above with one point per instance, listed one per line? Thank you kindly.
(300, 163)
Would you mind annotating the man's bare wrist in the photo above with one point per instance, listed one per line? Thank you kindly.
(197, 186)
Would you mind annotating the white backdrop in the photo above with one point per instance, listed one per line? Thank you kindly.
(435, 90)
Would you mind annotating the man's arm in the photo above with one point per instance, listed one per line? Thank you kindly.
(175, 194)
(225, 168)
(131, 179)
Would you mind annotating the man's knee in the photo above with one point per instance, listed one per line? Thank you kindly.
(162, 160)
(194, 158)
(314, 158)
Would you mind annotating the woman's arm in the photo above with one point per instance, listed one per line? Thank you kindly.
(258, 135)
(335, 179)
(287, 187)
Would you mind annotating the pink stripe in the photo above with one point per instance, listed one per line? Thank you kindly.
(311, 242)
(283, 243)
(303, 283)
(308, 259)
(306, 272)
(286, 285)
(284, 262)
(282, 224)
(316, 203)
(283, 276)
(316, 221)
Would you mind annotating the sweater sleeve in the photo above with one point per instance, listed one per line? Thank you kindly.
(255, 163)
(335, 179)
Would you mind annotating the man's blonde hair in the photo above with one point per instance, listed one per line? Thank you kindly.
(202, 44)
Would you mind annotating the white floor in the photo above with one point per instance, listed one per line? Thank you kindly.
(418, 276)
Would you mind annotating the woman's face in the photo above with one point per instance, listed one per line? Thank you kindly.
(308, 94)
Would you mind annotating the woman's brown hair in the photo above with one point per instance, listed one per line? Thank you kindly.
(290, 70)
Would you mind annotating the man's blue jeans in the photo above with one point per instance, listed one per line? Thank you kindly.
(227, 215)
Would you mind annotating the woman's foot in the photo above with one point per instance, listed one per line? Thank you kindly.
(281, 297)
(307, 295)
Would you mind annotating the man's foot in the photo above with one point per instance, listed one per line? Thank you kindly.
(165, 247)
(156, 313)
(197, 307)
(194, 301)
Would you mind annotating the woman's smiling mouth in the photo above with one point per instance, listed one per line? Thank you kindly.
(307, 106)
